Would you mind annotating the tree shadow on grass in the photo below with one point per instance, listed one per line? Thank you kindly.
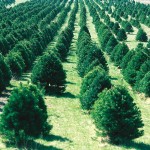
(61, 95)
(68, 82)
(33, 145)
(50, 138)
(2, 104)
(39, 146)
(66, 95)
(136, 145)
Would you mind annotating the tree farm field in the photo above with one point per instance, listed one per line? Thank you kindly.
(143, 1)
(75, 75)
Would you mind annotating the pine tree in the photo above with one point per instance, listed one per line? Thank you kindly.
(141, 35)
(134, 65)
(119, 52)
(145, 84)
(128, 27)
(5, 74)
(16, 63)
(24, 115)
(93, 83)
(49, 73)
(117, 116)
(121, 35)
(116, 27)
(112, 42)
(145, 67)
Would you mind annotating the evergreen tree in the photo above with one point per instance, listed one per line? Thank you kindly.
(86, 59)
(93, 83)
(145, 84)
(5, 74)
(117, 116)
(48, 72)
(121, 35)
(134, 65)
(127, 58)
(16, 63)
(24, 115)
(145, 67)
(112, 42)
(128, 27)
(116, 27)
(119, 52)
(141, 35)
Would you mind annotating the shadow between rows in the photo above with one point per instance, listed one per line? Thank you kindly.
(136, 145)
(52, 137)
(33, 145)
(66, 95)
(61, 95)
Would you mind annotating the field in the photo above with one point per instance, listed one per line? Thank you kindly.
(143, 1)
(54, 27)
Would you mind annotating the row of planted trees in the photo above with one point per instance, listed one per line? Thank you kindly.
(133, 63)
(22, 56)
(111, 107)
(121, 26)
(48, 70)
(25, 115)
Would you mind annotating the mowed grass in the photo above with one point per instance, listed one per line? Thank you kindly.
(73, 129)
(142, 143)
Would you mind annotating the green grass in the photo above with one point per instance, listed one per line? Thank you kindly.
(73, 129)
(142, 143)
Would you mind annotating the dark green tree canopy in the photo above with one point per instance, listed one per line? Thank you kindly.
(145, 84)
(48, 72)
(134, 64)
(93, 83)
(119, 52)
(5, 73)
(24, 115)
(117, 116)
(121, 35)
(112, 42)
(141, 35)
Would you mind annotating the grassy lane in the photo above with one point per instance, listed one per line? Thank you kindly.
(143, 103)
(72, 129)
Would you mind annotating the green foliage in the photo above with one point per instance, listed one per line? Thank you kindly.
(93, 83)
(127, 58)
(24, 48)
(121, 35)
(112, 42)
(134, 65)
(141, 35)
(49, 73)
(145, 84)
(89, 54)
(5, 74)
(104, 37)
(25, 115)
(117, 116)
(148, 44)
(128, 27)
(119, 52)
(145, 67)
(116, 27)
(16, 63)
